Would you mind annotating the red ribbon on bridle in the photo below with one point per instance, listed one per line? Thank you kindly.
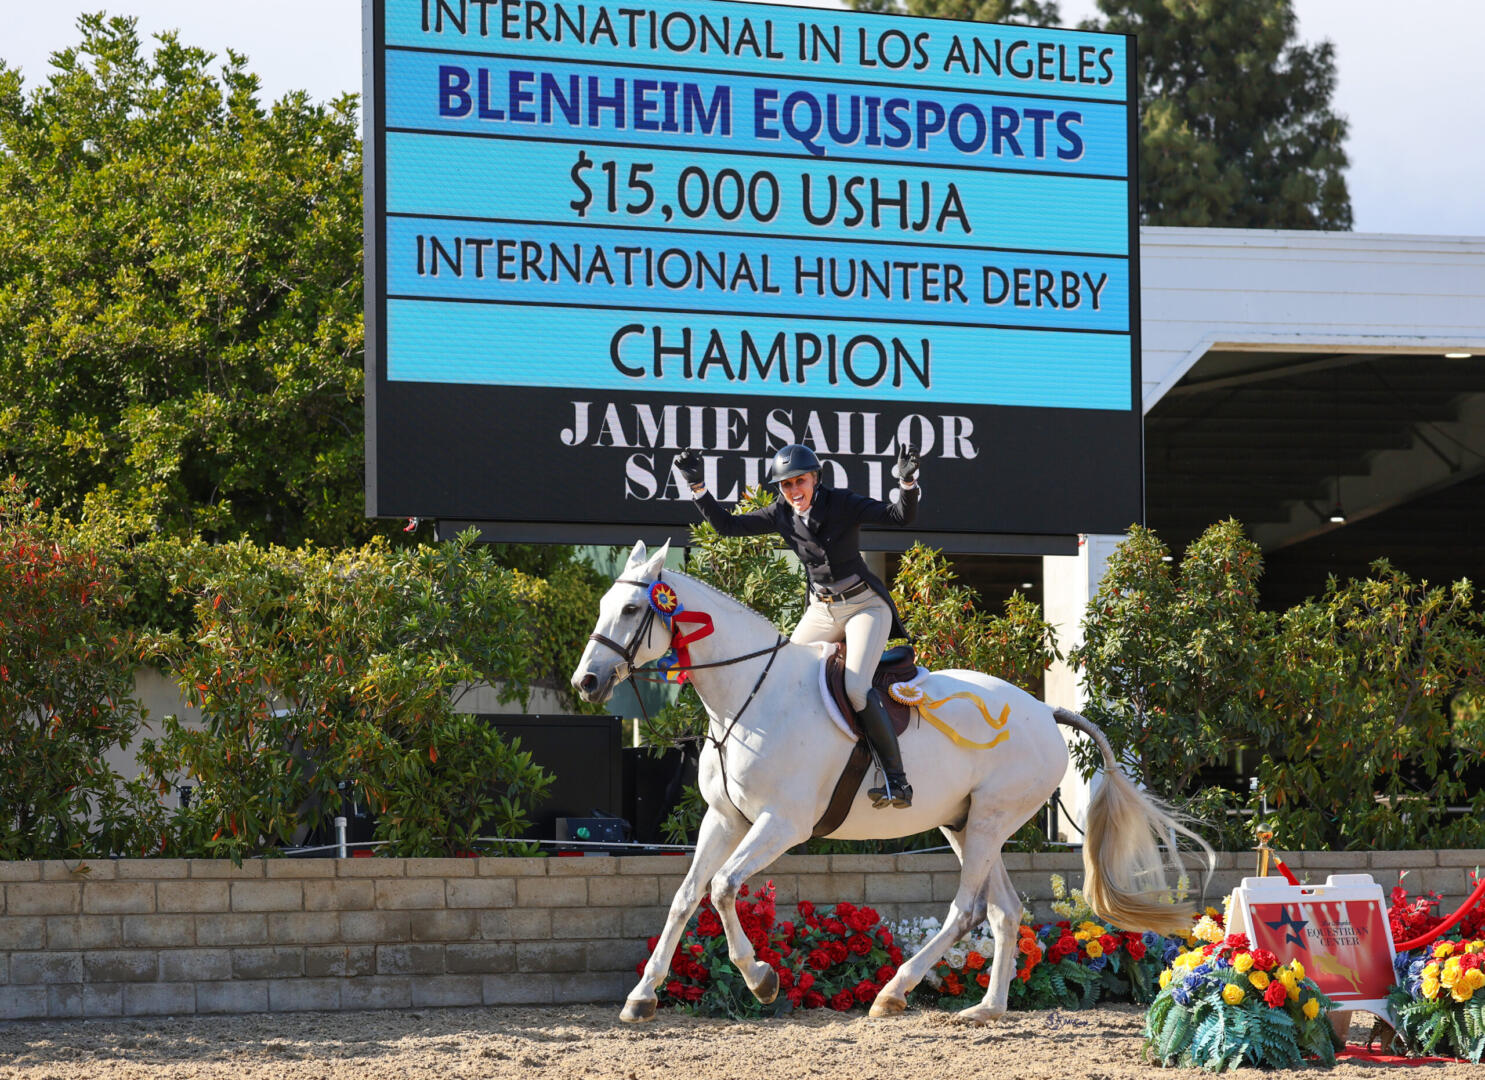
(674, 665)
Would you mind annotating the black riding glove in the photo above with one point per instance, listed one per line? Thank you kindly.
(691, 467)
(906, 469)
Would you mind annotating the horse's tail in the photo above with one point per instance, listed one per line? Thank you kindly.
(1124, 871)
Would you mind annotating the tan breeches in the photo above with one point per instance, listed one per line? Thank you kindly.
(864, 623)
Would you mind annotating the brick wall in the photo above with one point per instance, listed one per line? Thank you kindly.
(149, 937)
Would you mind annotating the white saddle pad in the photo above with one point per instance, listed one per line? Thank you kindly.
(832, 710)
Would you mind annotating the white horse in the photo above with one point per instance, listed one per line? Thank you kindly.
(773, 756)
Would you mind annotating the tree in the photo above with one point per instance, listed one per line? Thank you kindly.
(1236, 125)
(180, 294)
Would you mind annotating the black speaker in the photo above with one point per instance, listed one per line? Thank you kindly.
(585, 757)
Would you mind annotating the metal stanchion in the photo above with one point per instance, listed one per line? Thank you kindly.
(340, 852)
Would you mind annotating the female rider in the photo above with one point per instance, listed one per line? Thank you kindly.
(848, 602)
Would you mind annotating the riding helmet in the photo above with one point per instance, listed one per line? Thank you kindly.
(791, 461)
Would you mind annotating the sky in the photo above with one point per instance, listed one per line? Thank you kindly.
(1408, 81)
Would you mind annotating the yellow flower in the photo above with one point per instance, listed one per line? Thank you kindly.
(1431, 968)
(1443, 949)
(1288, 979)
(1258, 979)
(1242, 963)
(1450, 975)
(1213, 912)
(1462, 991)
(1081, 935)
(1298, 969)
(1095, 950)
(1430, 988)
(1233, 994)
(1165, 977)
(1475, 946)
(1207, 929)
(1475, 978)
(1059, 887)
(1311, 1008)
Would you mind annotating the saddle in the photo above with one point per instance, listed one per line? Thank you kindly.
(897, 665)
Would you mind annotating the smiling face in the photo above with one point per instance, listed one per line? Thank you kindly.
(799, 491)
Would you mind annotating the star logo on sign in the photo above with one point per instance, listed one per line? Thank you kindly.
(1293, 928)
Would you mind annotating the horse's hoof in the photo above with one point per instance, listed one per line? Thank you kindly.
(638, 1010)
(768, 988)
(886, 1006)
(977, 1015)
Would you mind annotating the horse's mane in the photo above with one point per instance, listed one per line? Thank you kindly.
(719, 594)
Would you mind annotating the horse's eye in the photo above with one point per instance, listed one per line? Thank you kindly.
(630, 609)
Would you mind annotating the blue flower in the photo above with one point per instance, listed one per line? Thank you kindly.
(1151, 939)
(1181, 992)
(1172, 950)
(1098, 964)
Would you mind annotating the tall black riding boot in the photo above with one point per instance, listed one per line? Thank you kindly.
(878, 728)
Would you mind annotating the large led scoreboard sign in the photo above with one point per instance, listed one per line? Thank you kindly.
(598, 233)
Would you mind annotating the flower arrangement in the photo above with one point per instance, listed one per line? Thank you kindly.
(1226, 1004)
(1437, 1003)
(838, 959)
(1069, 964)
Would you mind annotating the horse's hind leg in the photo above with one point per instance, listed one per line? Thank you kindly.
(1003, 913)
(716, 840)
(769, 838)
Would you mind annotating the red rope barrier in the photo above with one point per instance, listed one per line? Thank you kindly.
(1423, 939)
(1288, 874)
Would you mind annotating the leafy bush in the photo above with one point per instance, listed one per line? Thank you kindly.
(1340, 708)
(66, 695)
(314, 667)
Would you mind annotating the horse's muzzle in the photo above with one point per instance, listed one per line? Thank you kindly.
(591, 688)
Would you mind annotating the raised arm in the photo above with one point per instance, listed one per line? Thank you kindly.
(900, 511)
(754, 523)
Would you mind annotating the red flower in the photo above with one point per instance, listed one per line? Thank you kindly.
(769, 957)
(796, 997)
(842, 1001)
(813, 999)
(674, 988)
(743, 891)
(709, 924)
(983, 978)
(1276, 994)
(866, 991)
(885, 973)
(1237, 941)
(885, 936)
(806, 980)
(1136, 950)
(859, 944)
(699, 973)
(819, 959)
(695, 950)
(837, 950)
(786, 978)
(1108, 943)
(639, 968)
(806, 908)
(787, 930)
(1264, 960)
(895, 955)
(692, 993)
(650, 943)
(844, 909)
(835, 926)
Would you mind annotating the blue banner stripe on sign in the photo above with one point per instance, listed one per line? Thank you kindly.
(575, 266)
(630, 105)
(477, 178)
(431, 341)
(782, 42)
(482, 178)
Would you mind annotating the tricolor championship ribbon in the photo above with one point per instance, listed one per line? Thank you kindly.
(674, 665)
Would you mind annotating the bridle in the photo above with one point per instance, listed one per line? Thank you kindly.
(642, 631)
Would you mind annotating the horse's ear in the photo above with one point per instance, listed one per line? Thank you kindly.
(657, 560)
(637, 556)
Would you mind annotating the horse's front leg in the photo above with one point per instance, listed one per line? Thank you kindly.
(717, 838)
(769, 838)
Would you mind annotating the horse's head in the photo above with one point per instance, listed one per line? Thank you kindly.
(627, 634)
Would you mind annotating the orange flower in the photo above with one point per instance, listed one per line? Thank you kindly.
(1027, 945)
(974, 961)
(983, 978)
